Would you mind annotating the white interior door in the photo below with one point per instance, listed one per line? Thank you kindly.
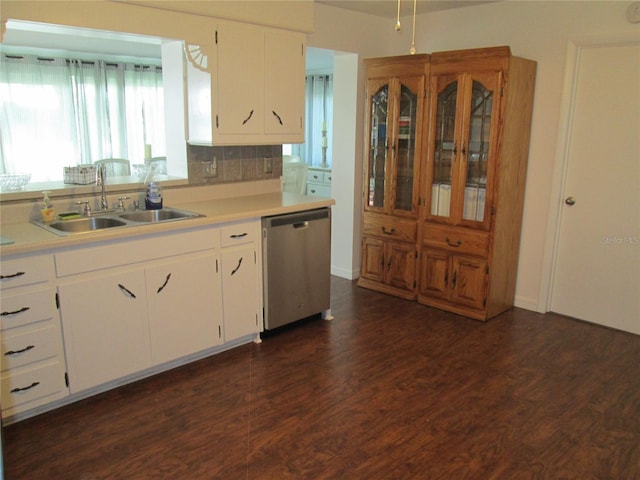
(597, 269)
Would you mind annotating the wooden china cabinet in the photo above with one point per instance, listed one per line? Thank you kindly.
(444, 177)
(394, 143)
(478, 129)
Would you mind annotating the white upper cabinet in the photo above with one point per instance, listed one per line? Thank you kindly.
(255, 77)
(284, 85)
(238, 91)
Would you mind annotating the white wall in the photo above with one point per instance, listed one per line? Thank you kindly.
(538, 30)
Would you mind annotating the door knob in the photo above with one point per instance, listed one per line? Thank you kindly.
(570, 201)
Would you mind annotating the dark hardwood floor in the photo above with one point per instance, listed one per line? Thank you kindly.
(388, 390)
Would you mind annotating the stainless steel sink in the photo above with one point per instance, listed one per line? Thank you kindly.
(152, 216)
(89, 224)
(118, 219)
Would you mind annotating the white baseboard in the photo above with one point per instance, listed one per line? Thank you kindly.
(528, 304)
(344, 273)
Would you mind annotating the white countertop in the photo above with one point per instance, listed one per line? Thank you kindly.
(29, 238)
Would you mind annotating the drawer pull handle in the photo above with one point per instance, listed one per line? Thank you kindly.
(238, 267)
(239, 235)
(388, 232)
(248, 118)
(166, 280)
(22, 350)
(17, 274)
(457, 243)
(19, 389)
(125, 289)
(23, 309)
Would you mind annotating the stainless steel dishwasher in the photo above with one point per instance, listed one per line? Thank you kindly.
(296, 253)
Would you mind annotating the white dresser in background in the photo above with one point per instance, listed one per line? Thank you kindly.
(319, 182)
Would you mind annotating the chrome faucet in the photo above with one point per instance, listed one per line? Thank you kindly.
(102, 180)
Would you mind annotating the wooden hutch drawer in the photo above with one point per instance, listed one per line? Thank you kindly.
(456, 239)
(389, 227)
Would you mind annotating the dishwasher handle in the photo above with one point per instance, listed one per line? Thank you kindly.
(301, 225)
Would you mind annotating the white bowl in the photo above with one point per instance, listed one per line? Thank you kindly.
(14, 181)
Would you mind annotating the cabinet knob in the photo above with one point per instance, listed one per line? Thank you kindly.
(570, 201)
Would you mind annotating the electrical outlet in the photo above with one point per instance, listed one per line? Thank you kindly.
(210, 168)
(268, 165)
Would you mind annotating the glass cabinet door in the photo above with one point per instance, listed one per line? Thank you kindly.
(405, 149)
(445, 147)
(378, 152)
(475, 187)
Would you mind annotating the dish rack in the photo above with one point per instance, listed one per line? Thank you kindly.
(80, 175)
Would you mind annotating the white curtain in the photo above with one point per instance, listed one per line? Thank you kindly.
(58, 112)
(319, 118)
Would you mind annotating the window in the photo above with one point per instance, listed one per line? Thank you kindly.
(316, 150)
(57, 112)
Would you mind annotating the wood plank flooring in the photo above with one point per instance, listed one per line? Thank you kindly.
(388, 390)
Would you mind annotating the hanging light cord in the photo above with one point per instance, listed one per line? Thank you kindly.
(398, 18)
(413, 37)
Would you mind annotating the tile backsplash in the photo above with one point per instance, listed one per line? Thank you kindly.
(229, 164)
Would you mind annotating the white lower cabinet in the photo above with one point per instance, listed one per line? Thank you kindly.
(241, 280)
(32, 366)
(105, 326)
(124, 320)
(136, 304)
(185, 312)
(125, 306)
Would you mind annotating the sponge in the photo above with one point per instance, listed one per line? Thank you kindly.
(68, 215)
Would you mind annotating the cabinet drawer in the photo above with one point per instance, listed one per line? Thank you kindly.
(32, 384)
(24, 271)
(456, 239)
(28, 346)
(22, 309)
(129, 252)
(318, 190)
(326, 178)
(390, 228)
(315, 176)
(238, 233)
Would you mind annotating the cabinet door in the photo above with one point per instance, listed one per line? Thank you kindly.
(469, 281)
(394, 122)
(372, 259)
(240, 291)
(239, 83)
(463, 147)
(378, 154)
(284, 84)
(479, 147)
(185, 306)
(401, 265)
(105, 327)
(406, 144)
(434, 274)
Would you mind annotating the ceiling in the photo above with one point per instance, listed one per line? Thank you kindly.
(389, 8)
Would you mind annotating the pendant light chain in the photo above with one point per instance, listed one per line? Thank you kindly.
(413, 36)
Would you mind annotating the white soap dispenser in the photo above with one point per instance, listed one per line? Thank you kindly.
(47, 211)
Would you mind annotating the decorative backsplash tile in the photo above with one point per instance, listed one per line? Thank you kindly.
(214, 165)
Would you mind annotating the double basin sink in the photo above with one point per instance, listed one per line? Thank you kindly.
(101, 221)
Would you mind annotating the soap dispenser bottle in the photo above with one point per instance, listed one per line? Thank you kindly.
(47, 211)
(153, 195)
